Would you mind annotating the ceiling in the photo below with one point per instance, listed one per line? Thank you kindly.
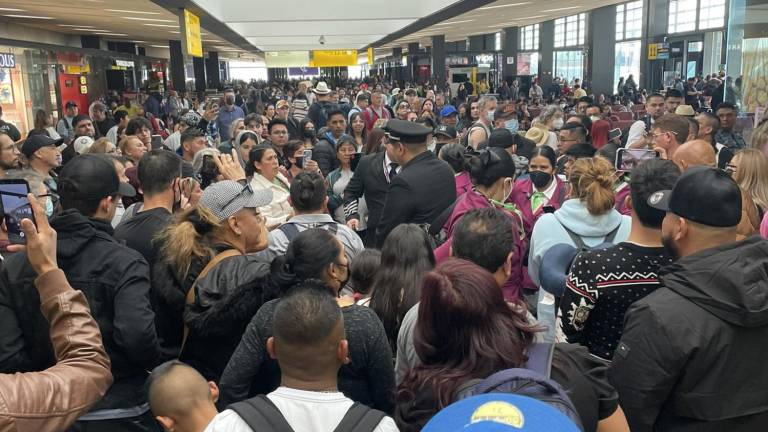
(495, 16)
(139, 21)
(298, 24)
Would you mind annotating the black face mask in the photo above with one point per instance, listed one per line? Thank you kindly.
(309, 133)
(540, 178)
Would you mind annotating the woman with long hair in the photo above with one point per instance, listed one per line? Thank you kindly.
(466, 331)
(373, 141)
(490, 172)
(588, 214)
(405, 257)
(269, 112)
(263, 170)
(750, 171)
(550, 119)
(760, 136)
(44, 121)
(463, 121)
(402, 109)
(207, 251)
(308, 133)
(356, 130)
(454, 155)
(339, 178)
(314, 256)
(294, 157)
(244, 142)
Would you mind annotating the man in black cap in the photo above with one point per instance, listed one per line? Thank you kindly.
(503, 138)
(64, 126)
(114, 279)
(43, 156)
(444, 135)
(425, 186)
(692, 355)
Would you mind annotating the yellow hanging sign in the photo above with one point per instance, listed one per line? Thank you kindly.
(653, 51)
(192, 33)
(333, 58)
(370, 56)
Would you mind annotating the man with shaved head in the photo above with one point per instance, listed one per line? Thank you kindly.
(180, 398)
(709, 124)
(694, 153)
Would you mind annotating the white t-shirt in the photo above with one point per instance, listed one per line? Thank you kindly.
(305, 411)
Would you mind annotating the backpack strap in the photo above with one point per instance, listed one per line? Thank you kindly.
(612, 235)
(290, 230)
(540, 358)
(574, 237)
(261, 414)
(359, 418)
(333, 228)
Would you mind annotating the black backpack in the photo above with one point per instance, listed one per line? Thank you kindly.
(291, 230)
(262, 415)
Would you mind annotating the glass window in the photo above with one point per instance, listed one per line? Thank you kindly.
(570, 31)
(529, 37)
(627, 60)
(497, 41)
(711, 14)
(568, 64)
(629, 20)
(528, 63)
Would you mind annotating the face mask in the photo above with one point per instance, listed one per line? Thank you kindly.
(58, 158)
(309, 133)
(299, 162)
(230, 100)
(490, 115)
(594, 118)
(511, 125)
(540, 178)
(558, 123)
(49, 207)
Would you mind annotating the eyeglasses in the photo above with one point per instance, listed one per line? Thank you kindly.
(246, 188)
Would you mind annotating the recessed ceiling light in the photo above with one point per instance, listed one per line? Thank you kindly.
(174, 32)
(530, 17)
(92, 30)
(148, 19)
(560, 9)
(29, 17)
(162, 25)
(453, 22)
(503, 6)
(140, 42)
(12, 10)
(112, 34)
(159, 46)
(133, 12)
(74, 25)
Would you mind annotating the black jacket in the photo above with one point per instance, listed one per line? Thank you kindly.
(370, 182)
(324, 153)
(226, 299)
(114, 279)
(424, 188)
(693, 353)
(318, 113)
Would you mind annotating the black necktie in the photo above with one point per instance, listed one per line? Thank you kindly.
(392, 170)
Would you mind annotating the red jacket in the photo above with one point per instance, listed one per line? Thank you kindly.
(370, 116)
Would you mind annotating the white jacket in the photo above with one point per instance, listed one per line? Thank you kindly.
(279, 210)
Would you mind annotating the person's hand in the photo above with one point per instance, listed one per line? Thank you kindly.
(662, 152)
(210, 114)
(229, 167)
(353, 223)
(311, 166)
(41, 240)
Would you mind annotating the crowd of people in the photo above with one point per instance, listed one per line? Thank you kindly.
(351, 255)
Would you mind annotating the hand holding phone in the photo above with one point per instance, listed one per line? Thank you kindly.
(40, 239)
(307, 156)
(14, 194)
(627, 159)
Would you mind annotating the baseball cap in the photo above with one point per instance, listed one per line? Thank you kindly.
(70, 104)
(502, 138)
(92, 176)
(82, 144)
(500, 412)
(703, 195)
(228, 197)
(448, 110)
(35, 142)
(502, 113)
(446, 131)
(191, 118)
(281, 103)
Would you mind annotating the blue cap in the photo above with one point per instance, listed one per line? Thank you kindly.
(447, 111)
(500, 412)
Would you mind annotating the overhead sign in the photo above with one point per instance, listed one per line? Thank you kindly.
(333, 58)
(124, 63)
(284, 59)
(370, 56)
(303, 71)
(192, 33)
(7, 60)
(658, 51)
(652, 51)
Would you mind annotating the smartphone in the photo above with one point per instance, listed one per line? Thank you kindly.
(307, 156)
(627, 159)
(548, 209)
(13, 194)
(355, 160)
(157, 142)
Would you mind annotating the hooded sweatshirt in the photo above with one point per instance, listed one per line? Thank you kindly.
(692, 356)
(549, 230)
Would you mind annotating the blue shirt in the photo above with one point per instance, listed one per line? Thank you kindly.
(226, 118)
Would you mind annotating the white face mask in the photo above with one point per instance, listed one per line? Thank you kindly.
(594, 118)
(558, 123)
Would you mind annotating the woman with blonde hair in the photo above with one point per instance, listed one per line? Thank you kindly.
(760, 137)
(750, 171)
(588, 218)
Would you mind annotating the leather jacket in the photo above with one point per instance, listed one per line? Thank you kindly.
(53, 399)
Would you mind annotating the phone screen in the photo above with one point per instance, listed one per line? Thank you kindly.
(157, 142)
(307, 156)
(355, 160)
(13, 194)
(627, 159)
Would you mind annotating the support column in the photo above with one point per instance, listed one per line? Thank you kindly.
(413, 59)
(509, 47)
(212, 71)
(177, 66)
(438, 60)
(476, 43)
(198, 64)
(654, 30)
(398, 73)
(601, 57)
(547, 39)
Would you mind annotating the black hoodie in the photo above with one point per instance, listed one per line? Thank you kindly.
(693, 355)
(114, 279)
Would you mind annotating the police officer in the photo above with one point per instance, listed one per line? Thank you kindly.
(423, 188)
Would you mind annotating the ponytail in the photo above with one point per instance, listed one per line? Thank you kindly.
(592, 182)
(188, 239)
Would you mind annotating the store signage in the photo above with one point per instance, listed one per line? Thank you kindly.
(283, 59)
(484, 58)
(658, 51)
(7, 60)
(124, 63)
(192, 33)
(333, 58)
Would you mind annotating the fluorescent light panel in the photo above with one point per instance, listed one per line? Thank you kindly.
(148, 19)
(74, 25)
(561, 9)
(29, 17)
(133, 12)
(12, 10)
(453, 22)
(503, 6)
(162, 25)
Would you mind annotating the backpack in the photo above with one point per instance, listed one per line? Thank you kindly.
(262, 415)
(531, 380)
(291, 230)
(581, 246)
(475, 125)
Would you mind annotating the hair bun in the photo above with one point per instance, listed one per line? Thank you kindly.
(201, 226)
